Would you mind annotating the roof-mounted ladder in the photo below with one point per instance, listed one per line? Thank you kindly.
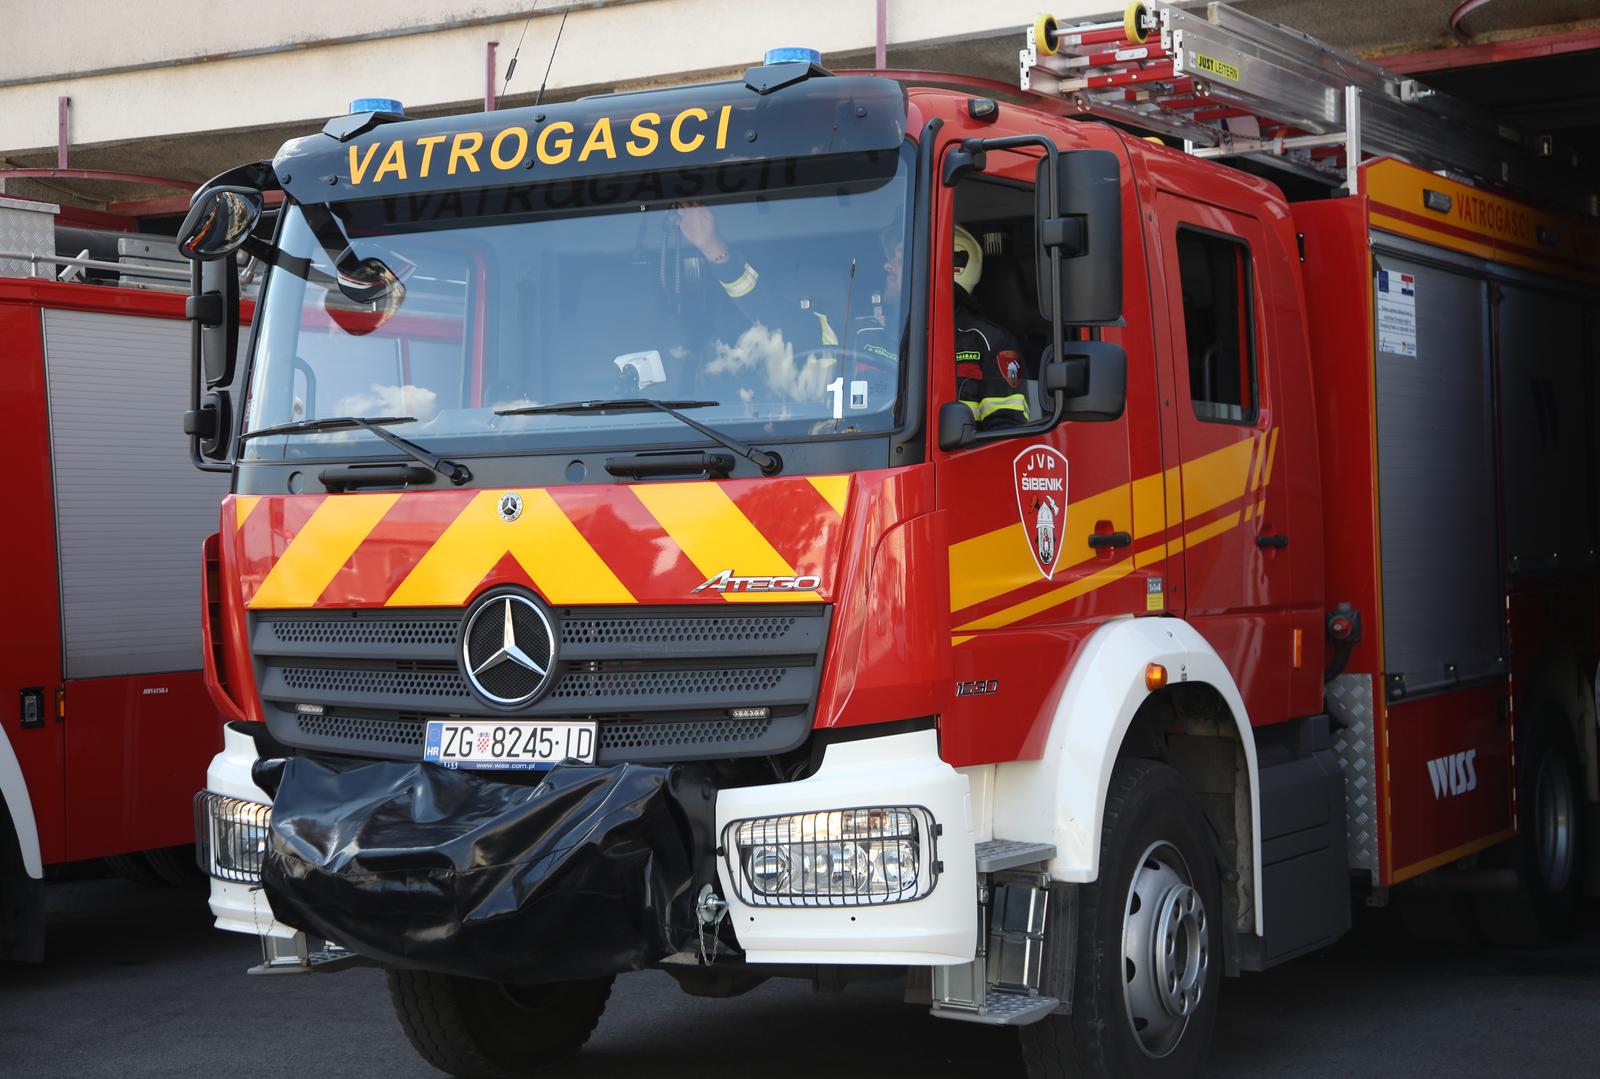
(1231, 85)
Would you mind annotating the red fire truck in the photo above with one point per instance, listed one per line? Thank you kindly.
(109, 727)
(641, 553)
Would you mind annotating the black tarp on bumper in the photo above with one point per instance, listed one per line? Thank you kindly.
(592, 871)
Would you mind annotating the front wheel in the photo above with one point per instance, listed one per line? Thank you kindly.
(488, 1030)
(1149, 944)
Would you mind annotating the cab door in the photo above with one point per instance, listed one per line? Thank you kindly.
(1236, 538)
(1041, 526)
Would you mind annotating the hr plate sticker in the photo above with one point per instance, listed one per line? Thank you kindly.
(1041, 482)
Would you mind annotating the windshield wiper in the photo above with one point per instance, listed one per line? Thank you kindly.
(457, 474)
(769, 463)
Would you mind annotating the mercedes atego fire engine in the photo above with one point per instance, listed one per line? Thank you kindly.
(625, 567)
(108, 726)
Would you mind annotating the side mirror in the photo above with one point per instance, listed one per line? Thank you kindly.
(1092, 376)
(213, 312)
(368, 295)
(957, 428)
(1086, 230)
(219, 222)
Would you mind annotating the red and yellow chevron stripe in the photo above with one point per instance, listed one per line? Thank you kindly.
(616, 544)
(655, 543)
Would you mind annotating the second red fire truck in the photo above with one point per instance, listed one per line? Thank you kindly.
(107, 726)
(628, 563)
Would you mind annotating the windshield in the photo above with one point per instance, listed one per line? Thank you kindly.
(774, 289)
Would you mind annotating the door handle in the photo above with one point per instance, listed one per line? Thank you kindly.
(1099, 540)
(1279, 540)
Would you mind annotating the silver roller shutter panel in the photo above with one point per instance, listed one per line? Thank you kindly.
(131, 511)
(1443, 608)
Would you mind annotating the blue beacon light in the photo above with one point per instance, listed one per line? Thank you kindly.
(377, 104)
(793, 56)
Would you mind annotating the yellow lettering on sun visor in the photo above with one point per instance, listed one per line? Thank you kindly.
(648, 135)
(663, 132)
(556, 143)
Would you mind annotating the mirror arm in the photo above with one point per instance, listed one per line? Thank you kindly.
(258, 247)
(257, 174)
(975, 148)
(204, 308)
(969, 156)
(1058, 398)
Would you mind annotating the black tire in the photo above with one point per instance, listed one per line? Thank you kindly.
(132, 867)
(1151, 819)
(1548, 850)
(485, 1030)
(175, 867)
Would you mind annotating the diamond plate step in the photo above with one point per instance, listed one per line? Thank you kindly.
(995, 855)
(1002, 1010)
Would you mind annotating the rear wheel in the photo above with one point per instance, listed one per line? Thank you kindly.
(1149, 944)
(489, 1030)
(1547, 853)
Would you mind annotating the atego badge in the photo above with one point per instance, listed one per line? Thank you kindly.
(1041, 475)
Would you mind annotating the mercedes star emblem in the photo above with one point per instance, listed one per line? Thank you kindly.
(507, 649)
(510, 506)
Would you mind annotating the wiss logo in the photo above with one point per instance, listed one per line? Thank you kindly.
(1453, 774)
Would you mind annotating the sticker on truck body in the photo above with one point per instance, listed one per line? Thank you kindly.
(1397, 313)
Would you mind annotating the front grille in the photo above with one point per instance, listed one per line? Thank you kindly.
(314, 682)
(722, 629)
(400, 733)
(735, 681)
(328, 631)
(659, 682)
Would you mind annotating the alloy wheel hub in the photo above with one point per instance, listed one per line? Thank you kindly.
(1166, 950)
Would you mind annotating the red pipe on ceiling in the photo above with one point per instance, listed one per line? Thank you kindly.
(95, 174)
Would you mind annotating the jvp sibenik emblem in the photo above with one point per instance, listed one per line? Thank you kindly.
(1041, 479)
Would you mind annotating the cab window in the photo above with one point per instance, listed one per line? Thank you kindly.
(999, 333)
(1218, 324)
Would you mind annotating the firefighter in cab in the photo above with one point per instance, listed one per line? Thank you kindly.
(989, 368)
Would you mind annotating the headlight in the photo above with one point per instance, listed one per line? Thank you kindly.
(835, 858)
(230, 836)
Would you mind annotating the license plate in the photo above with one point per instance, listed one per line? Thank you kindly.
(514, 746)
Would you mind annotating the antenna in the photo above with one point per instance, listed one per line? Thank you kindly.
(512, 66)
(540, 96)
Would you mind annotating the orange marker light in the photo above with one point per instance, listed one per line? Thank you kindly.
(1155, 676)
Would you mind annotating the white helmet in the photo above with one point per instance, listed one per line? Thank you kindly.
(969, 260)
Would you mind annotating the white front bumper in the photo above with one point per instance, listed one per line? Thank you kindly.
(902, 769)
(240, 908)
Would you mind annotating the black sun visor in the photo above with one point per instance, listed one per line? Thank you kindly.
(691, 127)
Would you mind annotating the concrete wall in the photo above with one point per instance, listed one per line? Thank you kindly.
(185, 88)
(179, 67)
